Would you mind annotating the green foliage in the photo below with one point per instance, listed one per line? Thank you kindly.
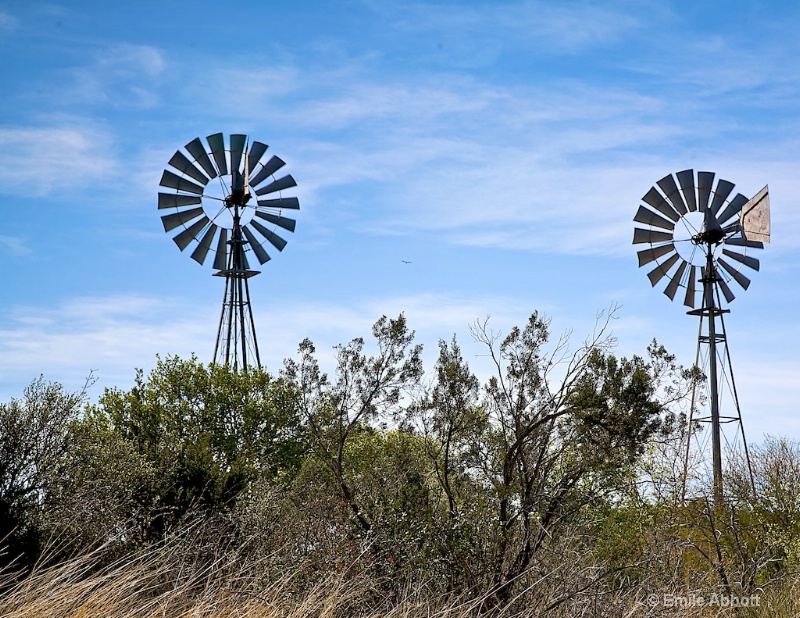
(771, 518)
(186, 438)
(107, 491)
(34, 437)
(209, 429)
(364, 389)
(615, 410)
(455, 423)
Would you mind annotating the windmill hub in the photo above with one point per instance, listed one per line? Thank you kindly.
(240, 192)
(711, 233)
(219, 201)
(237, 198)
(690, 240)
(709, 237)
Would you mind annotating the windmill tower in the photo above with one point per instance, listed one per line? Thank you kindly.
(211, 207)
(695, 228)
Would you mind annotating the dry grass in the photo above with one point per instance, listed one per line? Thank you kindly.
(171, 582)
(164, 583)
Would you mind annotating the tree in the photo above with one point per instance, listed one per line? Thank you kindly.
(562, 424)
(365, 388)
(105, 494)
(453, 423)
(207, 431)
(34, 433)
(452, 418)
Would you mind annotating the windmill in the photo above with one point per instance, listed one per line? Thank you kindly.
(694, 226)
(208, 192)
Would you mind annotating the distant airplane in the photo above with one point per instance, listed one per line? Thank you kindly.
(405, 262)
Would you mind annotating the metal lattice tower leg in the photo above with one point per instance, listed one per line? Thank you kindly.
(237, 345)
(719, 373)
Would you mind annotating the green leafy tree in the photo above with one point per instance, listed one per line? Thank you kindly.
(452, 417)
(34, 437)
(563, 425)
(206, 431)
(453, 423)
(106, 493)
(365, 389)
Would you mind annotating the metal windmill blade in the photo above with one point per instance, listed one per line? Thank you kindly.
(661, 210)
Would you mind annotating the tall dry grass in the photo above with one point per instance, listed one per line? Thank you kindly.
(167, 582)
(200, 573)
(158, 585)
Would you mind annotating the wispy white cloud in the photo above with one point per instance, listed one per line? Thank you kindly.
(556, 165)
(121, 76)
(571, 26)
(15, 245)
(241, 80)
(565, 179)
(110, 335)
(476, 33)
(60, 153)
(735, 68)
(549, 167)
(413, 104)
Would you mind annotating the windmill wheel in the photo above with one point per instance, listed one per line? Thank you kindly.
(208, 181)
(688, 219)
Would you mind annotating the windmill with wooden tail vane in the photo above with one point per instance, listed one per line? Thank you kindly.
(701, 239)
(207, 197)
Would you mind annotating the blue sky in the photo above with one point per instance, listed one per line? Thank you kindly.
(500, 147)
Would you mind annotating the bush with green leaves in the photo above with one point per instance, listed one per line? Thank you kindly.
(186, 438)
(34, 441)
